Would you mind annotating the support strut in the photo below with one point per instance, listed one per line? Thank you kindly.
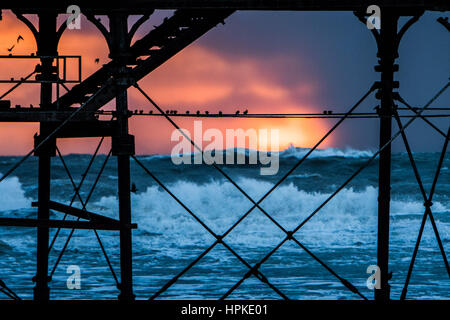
(123, 147)
(47, 46)
(387, 52)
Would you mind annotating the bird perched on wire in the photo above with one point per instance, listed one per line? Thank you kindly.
(220, 113)
(246, 111)
(444, 22)
(206, 112)
(187, 112)
(19, 38)
(237, 112)
(198, 112)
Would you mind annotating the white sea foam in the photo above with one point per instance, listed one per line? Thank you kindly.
(12, 195)
(293, 152)
(348, 219)
(304, 175)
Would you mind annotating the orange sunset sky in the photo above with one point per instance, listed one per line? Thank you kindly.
(201, 77)
(198, 78)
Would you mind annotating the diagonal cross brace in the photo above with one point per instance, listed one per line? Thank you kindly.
(427, 203)
(77, 188)
(345, 183)
(219, 239)
(256, 204)
(82, 214)
(424, 118)
(83, 209)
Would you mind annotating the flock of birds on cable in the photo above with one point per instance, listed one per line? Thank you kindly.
(206, 113)
(171, 112)
(168, 112)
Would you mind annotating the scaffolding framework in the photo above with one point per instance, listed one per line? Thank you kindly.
(75, 115)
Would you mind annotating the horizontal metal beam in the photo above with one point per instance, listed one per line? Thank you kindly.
(143, 6)
(65, 224)
(79, 213)
(38, 115)
(88, 129)
(142, 48)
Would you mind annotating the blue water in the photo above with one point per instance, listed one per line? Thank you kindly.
(342, 234)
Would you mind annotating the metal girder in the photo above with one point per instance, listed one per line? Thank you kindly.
(38, 115)
(163, 37)
(66, 224)
(79, 213)
(253, 269)
(142, 6)
(88, 129)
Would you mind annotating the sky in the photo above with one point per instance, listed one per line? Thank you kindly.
(265, 62)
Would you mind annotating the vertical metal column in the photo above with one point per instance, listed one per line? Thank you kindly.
(387, 52)
(123, 147)
(47, 46)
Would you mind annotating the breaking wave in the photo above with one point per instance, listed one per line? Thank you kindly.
(12, 195)
(348, 219)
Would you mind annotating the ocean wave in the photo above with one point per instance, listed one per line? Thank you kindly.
(290, 152)
(12, 195)
(348, 219)
(156, 157)
(293, 152)
(304, 175)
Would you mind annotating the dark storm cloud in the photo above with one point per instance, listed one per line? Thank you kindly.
(338, 52)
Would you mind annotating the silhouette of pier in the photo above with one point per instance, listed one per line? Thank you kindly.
(74, 114)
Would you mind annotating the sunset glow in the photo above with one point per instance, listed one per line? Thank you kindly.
(198, 78)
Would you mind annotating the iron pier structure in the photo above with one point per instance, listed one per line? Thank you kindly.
(75, 114)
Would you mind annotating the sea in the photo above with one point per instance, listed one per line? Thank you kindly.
(343, 234)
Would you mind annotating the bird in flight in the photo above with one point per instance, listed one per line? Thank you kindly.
(19, 38)
(10, 49)
(97, 60)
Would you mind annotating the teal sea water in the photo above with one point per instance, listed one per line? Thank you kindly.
(343, 234)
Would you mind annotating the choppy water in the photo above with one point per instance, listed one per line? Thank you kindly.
(342, 234)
